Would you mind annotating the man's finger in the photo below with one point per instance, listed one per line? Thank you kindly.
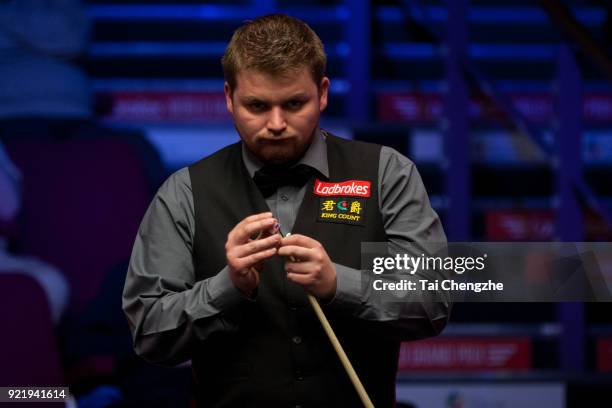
(299, 253)
(257, 245)
(249, 219)
(301, 240)
(301, 279)
(256, 217)
(300, 268)
(243, 232)
(273, 230)
(252, 259)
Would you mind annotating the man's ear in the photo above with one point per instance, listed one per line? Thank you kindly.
(323, 91)
(227, 90)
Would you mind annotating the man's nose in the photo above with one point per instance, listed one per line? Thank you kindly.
(276, 121)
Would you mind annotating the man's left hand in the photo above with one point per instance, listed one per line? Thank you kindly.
(308, 265)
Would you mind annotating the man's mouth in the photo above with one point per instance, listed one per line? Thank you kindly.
(276, 139)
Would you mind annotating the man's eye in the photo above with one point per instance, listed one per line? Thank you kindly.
(295, 104)
(257, 106)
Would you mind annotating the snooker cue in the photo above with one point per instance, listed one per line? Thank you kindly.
(346, 363)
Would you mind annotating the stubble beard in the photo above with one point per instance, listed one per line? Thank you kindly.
(279, 156)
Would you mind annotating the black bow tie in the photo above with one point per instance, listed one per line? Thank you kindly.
(269, 178)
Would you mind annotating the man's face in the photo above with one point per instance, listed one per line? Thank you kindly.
(276, 115)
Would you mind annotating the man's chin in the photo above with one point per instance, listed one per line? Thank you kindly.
(278, 156)
(278, 160)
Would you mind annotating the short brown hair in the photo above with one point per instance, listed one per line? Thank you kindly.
(275, 44)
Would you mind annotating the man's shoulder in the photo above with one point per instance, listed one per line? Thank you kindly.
(178, 184)
(390, 155)
(387, 154)
(353, 148)
(343, 142)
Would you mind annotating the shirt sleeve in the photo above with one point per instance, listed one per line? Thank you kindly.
(166, 308)
(408, 218)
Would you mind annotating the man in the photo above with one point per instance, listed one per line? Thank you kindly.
(210, 279)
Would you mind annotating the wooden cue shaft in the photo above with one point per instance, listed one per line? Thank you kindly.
(363, 395)
(346, 363)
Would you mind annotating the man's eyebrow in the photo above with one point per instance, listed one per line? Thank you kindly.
(251, 99)
(299, 95)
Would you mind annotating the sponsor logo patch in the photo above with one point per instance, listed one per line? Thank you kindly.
(350, 188)
(343, 210)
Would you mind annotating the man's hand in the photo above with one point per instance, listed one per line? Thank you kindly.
(310, 267)
(245, 255)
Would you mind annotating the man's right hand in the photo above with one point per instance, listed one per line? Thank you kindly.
(245, 255)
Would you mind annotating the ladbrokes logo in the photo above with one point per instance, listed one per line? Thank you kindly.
(355, 188)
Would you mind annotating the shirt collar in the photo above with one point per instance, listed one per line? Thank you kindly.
(315, 156)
